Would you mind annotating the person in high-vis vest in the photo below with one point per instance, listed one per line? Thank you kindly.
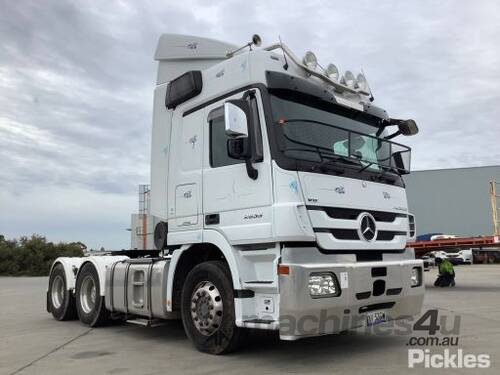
(446, 275)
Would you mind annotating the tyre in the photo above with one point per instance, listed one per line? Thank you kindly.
(207, 308)
(60, 301)
(90, 305)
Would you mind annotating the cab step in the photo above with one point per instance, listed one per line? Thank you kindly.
(146, 322)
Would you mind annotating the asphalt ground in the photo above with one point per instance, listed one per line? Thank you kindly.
(32, 342)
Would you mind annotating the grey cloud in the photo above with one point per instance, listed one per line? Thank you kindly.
(76, 82)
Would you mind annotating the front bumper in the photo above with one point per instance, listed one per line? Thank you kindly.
(304, 316)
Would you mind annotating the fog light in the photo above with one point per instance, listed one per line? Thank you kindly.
(416, 276)
(323, 285)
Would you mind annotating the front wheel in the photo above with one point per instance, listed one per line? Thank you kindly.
(208, 309)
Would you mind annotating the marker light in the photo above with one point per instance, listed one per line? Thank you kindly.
(310, 60)
(348, 79)
(362, 82)
(416, 277)
(332, 72)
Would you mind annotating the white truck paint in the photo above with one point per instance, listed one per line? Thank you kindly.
(276, 227)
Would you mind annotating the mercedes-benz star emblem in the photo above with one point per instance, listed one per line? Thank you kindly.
(367, 227)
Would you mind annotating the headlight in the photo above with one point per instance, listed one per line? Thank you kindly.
(416, 276)
(323, 285)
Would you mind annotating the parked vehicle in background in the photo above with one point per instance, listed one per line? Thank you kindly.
(454, 258)
(426, 236)
(438, 237)
(460, 257)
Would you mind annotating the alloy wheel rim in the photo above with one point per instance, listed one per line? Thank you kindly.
(88, 294)
(57, 292)
(206, 308)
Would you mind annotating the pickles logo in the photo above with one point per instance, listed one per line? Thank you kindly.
(447, 359)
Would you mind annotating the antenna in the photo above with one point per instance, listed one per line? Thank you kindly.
(284, 54)
(256, 41)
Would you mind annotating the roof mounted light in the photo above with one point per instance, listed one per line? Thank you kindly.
(348, 79)
(332, 72)
(362, 83)
(310, 60)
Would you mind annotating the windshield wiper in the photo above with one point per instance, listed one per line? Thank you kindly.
(334, 158)
(382, 173)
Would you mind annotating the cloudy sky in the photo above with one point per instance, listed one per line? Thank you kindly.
(76, 81)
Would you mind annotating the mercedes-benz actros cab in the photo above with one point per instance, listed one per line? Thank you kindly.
(279, 199)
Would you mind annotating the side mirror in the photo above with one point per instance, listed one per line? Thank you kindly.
(236, 118)
(408, 127)
(238, 148)
(405, 127)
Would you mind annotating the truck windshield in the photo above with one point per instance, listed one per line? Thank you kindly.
(313, 130)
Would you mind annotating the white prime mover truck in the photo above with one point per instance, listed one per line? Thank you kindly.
(279, 202)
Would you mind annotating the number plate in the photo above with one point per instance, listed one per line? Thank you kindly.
(375, 317)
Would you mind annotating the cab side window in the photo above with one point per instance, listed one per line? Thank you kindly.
(218, 141)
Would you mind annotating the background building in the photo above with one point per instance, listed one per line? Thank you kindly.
(452, 201)
(142, 223)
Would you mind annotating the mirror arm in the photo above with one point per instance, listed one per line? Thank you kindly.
(380, 130)
(395, 134)
(251, 171)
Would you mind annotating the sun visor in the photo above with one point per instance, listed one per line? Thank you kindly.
(178, 54)
(282, 81)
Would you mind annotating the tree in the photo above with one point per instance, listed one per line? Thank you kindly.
(33, 256)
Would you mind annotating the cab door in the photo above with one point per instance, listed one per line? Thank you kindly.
(233, 203)
(185, 178)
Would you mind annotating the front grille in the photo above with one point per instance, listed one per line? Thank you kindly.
(385, 235)
(352, 213)
(352, 234)
(339, 228)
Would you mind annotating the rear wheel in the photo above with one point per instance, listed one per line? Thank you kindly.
(208, 309)
(90, 305)
(61, 302)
